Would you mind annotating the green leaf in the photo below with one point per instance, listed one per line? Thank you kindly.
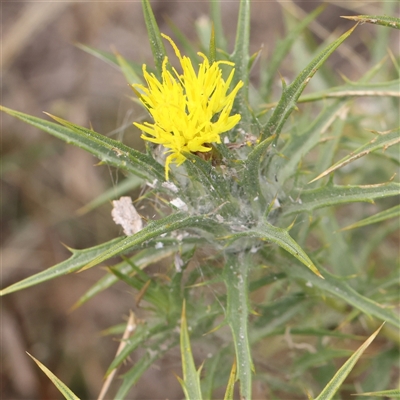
(320, 333)
(213, 369)
(62, 388)
(215, 11)
(107, 150)
(142, 334)
(329, 148)
(240, 57)
(78, 259)
(141, 260)
(321, 357)
(292, 92)
(300, 145)
(336, 287)
(125, 154)
(383, 38)
(374, 242)
(339, 253)
(266, 280)
(153, 353)
(230, 387)
(109, 58)
(382, 140)
(266, 231)
(277, 316)
(191, 377)
(381, 366)
(237, 313)
(393, 393)
(332, 387)
(332, 195)
(251, 176)
(392, 212)
(154, 229)
(156, 42)
(129, 72)
(282, 48)
(391, 22)
(354, 89)
(212, 52)
(149, 290)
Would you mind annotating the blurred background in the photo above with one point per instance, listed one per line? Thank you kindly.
(45, 182)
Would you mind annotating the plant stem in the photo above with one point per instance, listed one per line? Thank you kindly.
(236, 272)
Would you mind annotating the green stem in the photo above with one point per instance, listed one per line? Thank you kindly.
(240, 57)
(236, 274)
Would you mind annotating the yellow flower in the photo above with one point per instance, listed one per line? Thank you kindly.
(189, 110)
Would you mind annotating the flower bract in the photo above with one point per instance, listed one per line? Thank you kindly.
(190, 110)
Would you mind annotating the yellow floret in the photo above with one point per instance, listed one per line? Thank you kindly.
(184, 106)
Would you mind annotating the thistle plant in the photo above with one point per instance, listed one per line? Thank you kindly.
(244, 190)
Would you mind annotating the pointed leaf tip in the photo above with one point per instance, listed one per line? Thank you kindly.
(334, 384)
(231, 383)
(191, 377)
(62, 388)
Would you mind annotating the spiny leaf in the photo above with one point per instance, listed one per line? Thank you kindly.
(382, 140)
(151, 291)
(292, 92)
(231, 383)
(320, 333)
(338, 288)
(213, 370)
(62, 388)
(332, 195)
(153, 353)
(142, 334)
(332, 387)
(300, 145)
(154, 229)
(124, 154)
(282, 48)
(279, 236)
(215, 11)
(393, 393)
(107, 150)
(278, 315)
(142, 259)
(323, 356)
(78, 259)
(251, 178)
(384, 20)
(212, 52)
(156, 42)
(240, 57)
(191, 378)
(393, 212)
(109, 58)
(129, 72)
(266, 280)
(354, 89)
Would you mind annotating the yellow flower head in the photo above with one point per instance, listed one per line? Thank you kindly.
(189, 110)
